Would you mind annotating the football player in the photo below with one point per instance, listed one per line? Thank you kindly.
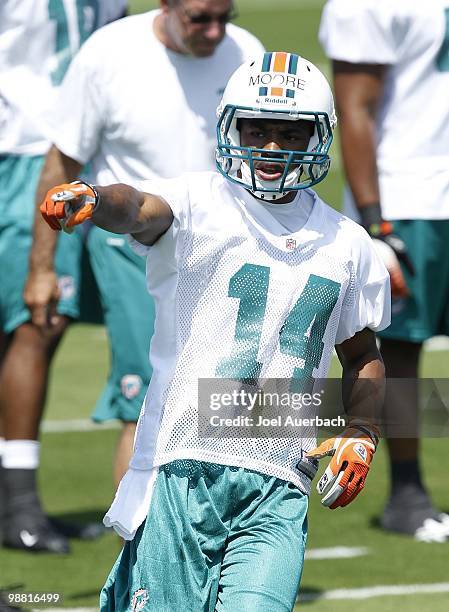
(253, 277)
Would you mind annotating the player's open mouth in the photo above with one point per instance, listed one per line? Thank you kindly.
(269, 172)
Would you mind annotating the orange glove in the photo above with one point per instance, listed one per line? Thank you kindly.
(351, 452)
(68, 205)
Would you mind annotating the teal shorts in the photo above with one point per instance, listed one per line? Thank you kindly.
(19, 176)
(216, 539)
(128, 312)
(425, 313)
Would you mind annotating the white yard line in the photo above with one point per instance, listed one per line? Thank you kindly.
(378, 591)
(77, 425)
(336, 552)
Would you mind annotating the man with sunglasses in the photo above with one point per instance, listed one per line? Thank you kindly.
(255, 281)
(139, 102)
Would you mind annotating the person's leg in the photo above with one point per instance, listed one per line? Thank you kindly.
(409, 505)
(264, 555)
(129, 318)
(26, 361)
(173, 562)
(409, 509)
(23, 384)
(24, 378)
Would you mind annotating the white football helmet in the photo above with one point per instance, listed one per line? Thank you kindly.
(276, 85)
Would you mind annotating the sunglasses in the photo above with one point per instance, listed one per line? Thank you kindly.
(206, 19)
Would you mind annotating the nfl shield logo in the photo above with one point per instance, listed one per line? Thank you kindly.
(290, 244)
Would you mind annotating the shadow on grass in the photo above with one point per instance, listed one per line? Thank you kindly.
(376, 524)
(85, 525)
(308, 595)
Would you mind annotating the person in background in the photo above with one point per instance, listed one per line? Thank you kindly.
(38, 39)
(391, 76)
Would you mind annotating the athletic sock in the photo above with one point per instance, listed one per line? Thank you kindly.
(21, 454)
(20, 460)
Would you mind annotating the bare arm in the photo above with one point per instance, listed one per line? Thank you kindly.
(358, 91)
(124, 210)
(363, 395)
(363, 376)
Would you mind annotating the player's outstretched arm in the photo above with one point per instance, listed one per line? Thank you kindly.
(41, 291)
(363, 394)
(117, 208)
(125, 210)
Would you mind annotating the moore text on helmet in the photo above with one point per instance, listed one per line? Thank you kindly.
(277, 80)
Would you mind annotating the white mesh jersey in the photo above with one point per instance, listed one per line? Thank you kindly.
(38, 39)
(237, 297)
(412, 38)
(138, 110)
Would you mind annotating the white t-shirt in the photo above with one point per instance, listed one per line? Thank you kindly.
(38, 39)
(236, 297)
(137, 110)
(412, 38)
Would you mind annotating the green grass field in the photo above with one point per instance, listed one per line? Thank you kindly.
(76, 480)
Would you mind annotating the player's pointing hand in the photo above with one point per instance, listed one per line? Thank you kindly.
(68, 205)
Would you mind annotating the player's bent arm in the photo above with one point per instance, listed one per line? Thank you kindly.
(358, 92)
(41, 289)
(124, 210)
(352, 451)
(363, 376)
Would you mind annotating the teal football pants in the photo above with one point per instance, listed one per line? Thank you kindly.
(216, 539)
